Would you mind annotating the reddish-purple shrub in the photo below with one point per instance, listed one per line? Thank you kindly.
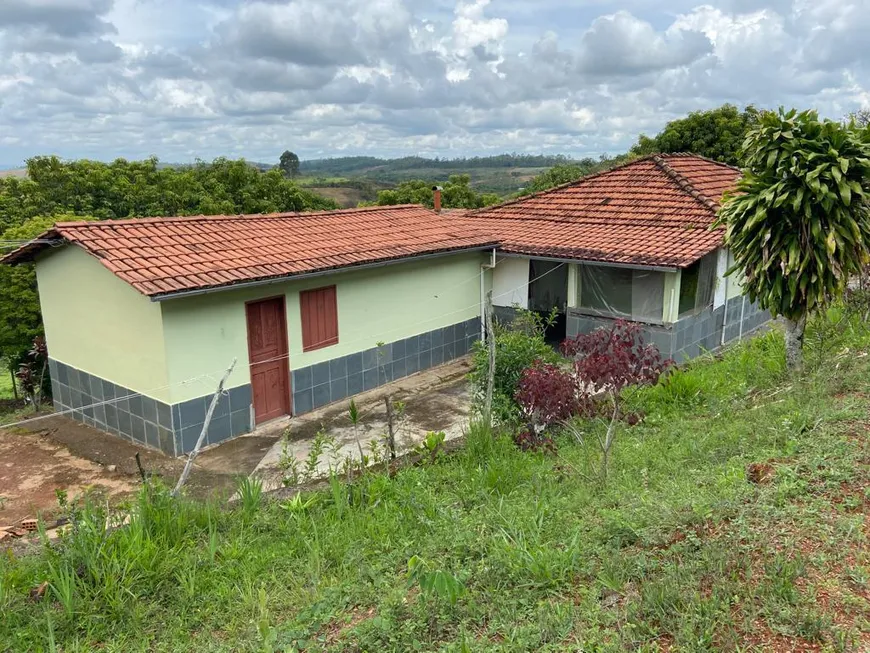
(605, 362)
(548, 394)
(614, 358)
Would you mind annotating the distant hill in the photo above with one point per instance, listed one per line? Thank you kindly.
(354, 179)
(351, 165)
(502, 174)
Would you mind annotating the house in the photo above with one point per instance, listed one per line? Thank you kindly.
(632, 242)
(143, 316)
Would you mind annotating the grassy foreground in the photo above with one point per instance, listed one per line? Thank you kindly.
(513, 551)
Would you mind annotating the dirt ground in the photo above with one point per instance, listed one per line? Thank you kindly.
(65, 455)
(33, 467)
(60, 454)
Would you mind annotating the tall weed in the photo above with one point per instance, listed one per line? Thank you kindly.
(250, 493)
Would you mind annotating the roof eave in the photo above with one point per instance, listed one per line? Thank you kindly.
(593, 257)
(159, 297)
(29, 250)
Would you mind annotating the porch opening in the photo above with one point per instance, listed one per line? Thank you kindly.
(626, 293)
(548, 289)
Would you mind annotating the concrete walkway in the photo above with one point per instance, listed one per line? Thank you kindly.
(434, 400)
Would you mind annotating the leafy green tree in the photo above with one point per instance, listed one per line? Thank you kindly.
(564, 173)
(798, 223)
(20, 318)
(716, 134)
(129, 189)
(457, 193)
(289, 163)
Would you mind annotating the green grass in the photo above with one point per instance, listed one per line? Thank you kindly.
(5, 385)
(319, 181)
(492, 549)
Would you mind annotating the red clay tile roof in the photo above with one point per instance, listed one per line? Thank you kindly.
(654, 211)
(162, 256)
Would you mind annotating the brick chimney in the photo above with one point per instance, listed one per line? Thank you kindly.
(437, 192)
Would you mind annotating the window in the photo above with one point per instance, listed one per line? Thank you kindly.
(622, 292)
(696, 285)
(319, 318)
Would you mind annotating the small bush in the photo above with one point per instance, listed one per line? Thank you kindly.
(514, 352)
(548, 394)
(615, 358)
(606, 362)
(250, 493)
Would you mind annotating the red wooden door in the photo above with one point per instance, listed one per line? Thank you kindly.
(267, 350)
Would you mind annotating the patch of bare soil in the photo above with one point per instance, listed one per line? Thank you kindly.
(336, 630)
(33, 467)
(66, 455)
(10, 405)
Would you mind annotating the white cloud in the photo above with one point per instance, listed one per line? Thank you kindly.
(106, 78)
(621, 44)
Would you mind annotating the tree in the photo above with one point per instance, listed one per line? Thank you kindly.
(560, 174)
(608, 360)
(798, 222)
(860, 118)
(289, 164)
(457, 193)
(132, 189)
(716, 134)
(570, 171)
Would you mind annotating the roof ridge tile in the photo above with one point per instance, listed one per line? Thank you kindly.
(692, 155)
(547, 191)
(278, 215)
(683, 183)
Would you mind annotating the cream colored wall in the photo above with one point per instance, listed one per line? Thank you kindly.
(510, 282)
(383, 304)
(573, 285)
(735, 281)
(671, 304)
(97, 323)
(722, 284)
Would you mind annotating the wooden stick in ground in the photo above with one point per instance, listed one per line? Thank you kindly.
(141, 469)
(214, 400)
(490, 341)
(391, 433)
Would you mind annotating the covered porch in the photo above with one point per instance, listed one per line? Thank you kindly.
(684, 311)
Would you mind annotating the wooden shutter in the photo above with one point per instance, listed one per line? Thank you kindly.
(319, 318)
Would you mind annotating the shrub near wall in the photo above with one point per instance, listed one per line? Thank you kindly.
(515, 350)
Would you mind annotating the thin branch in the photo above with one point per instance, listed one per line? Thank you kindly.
(214, 400)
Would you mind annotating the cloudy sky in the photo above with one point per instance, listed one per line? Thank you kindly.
(201, 78)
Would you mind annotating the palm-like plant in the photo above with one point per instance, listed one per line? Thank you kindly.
(798, 221)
